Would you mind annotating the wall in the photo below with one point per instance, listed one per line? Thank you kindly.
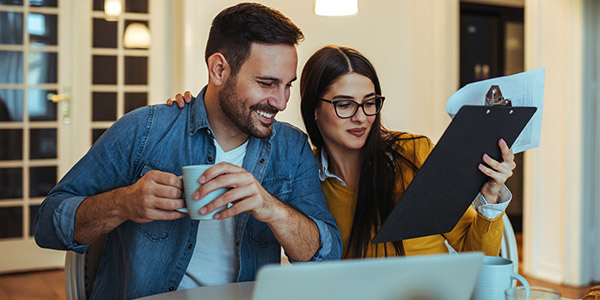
(413, 45)
(592, 113)
(556, 238)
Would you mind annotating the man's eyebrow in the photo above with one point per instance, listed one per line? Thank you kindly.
(274, 79)
(267, 78)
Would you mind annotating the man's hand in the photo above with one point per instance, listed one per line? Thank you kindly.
(155, 196)
(246, 194)
(181, 100)
(297, 234)
(498, 173)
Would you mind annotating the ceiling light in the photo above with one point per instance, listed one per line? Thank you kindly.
(336, 7)
(137, 35)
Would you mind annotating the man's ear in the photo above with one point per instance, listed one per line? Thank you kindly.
(218, 69)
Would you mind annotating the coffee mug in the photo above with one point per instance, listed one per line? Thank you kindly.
(495, 277)
(538, 293)
(190, 177)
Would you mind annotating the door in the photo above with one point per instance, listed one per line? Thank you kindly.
(94, 68)
(491, 45)
(32, 66)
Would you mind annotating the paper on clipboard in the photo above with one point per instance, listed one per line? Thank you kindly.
(523, 89)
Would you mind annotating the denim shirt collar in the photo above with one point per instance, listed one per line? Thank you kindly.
(199, 120)
(197, 114)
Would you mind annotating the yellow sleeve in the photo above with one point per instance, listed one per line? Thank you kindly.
(474, 232)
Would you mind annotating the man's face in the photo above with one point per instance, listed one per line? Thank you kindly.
(261, 88)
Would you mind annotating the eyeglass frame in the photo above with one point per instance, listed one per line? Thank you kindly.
(358, 105)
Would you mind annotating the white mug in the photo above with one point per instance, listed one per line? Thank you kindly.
(495, 277)
(190, 177)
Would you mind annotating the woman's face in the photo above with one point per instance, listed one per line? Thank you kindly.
(350, 133)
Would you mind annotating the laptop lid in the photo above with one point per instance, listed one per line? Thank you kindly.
(429, 277)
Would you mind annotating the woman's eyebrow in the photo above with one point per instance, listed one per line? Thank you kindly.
(346, 97)
(343, 97)
(369, 95)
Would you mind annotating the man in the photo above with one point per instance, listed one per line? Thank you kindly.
(126, 187)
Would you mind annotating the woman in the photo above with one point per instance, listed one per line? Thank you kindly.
(366, 168)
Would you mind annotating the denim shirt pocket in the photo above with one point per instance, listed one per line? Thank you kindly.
(279, 187)
(157, 230)
(259, 233)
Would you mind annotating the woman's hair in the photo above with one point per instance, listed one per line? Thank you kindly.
(380, 169)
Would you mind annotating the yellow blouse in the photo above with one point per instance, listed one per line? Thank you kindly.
(474, 232)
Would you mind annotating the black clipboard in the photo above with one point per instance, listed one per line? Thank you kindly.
(449, 179)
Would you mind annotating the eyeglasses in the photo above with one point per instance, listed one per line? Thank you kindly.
(347, 108)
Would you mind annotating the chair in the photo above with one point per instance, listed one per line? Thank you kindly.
(509, 248)
(81, 269)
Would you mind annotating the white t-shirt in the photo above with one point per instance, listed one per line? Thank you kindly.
(215, 259)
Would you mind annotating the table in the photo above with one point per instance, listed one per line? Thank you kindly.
(231, 291)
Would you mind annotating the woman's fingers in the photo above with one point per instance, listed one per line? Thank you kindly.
(187, 96)
(180, 100)
(508, 156)
(498, 178)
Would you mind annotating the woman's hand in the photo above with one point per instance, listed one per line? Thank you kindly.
(498, 172)
(181, 100)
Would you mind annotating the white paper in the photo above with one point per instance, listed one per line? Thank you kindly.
(523, 89)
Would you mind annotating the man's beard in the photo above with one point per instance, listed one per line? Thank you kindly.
(233, 107)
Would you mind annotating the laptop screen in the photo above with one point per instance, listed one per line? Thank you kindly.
(439, 277)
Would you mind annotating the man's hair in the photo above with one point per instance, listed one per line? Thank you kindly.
(235, 29)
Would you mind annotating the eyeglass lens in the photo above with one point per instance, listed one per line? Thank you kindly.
(347, 108)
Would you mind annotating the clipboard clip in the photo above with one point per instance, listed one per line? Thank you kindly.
(494, 97)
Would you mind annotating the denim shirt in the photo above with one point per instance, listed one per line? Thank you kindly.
(151, 258)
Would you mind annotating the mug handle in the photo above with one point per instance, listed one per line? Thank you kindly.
(523, 281)
(184, 209)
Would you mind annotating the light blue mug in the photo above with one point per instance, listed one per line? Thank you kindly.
(190, 177)
(495, 277)
(538, 293)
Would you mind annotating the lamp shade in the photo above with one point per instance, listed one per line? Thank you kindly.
(112, 9)
(137, 35)
(336, 7)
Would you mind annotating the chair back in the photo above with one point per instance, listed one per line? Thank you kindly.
(81, 270)
(509, 248)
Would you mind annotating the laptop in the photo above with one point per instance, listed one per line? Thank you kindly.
(428, 277)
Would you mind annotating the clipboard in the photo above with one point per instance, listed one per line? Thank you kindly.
(449, 179)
